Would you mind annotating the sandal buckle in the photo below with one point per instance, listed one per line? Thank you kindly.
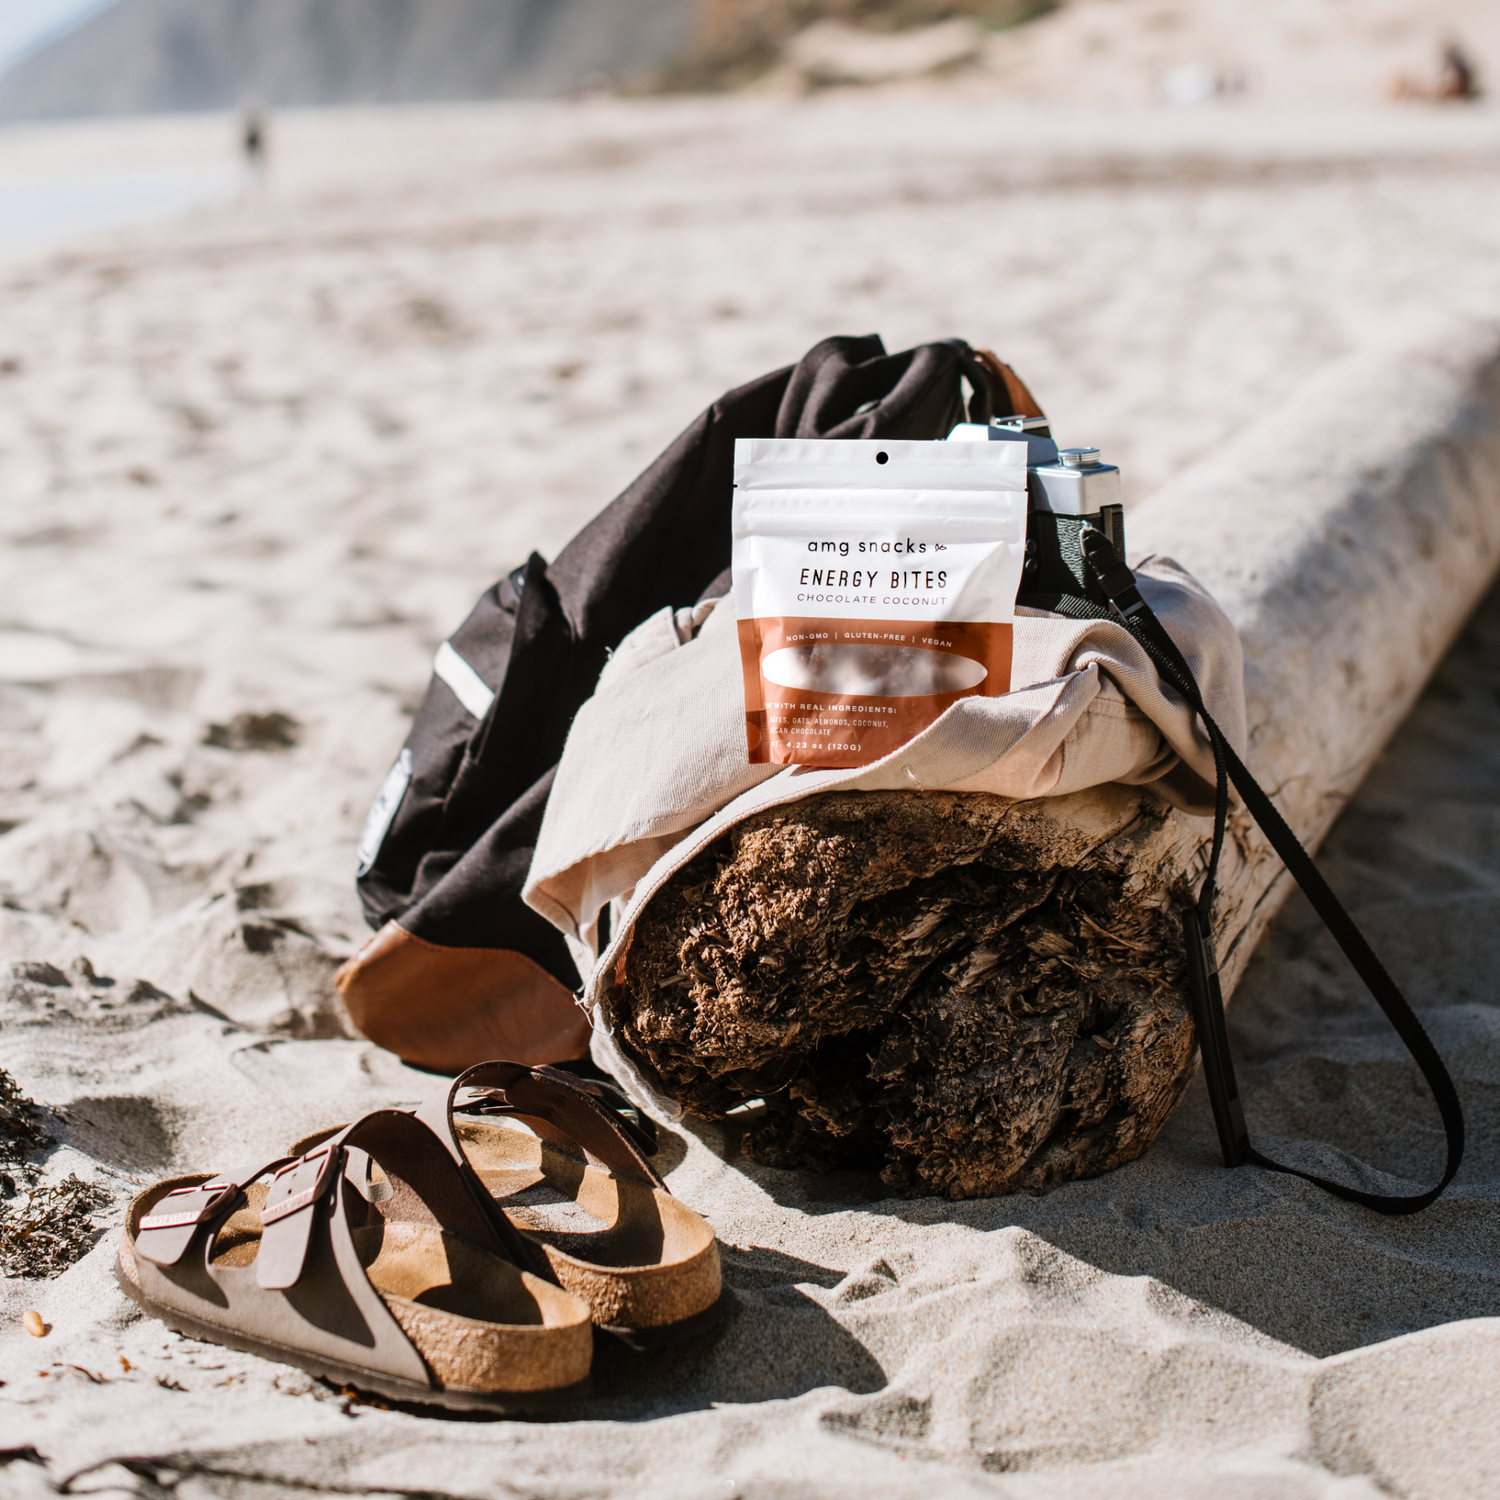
(305, 1197)
(301, 1161)
(221, 1192)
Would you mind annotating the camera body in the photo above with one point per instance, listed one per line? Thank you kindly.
(1067, 489)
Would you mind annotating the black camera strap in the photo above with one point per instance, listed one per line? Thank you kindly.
(1132, 611)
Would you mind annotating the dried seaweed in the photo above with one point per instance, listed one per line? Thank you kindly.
(925, 984)
(44, 1227)
(43, 1236)
(21, 1131)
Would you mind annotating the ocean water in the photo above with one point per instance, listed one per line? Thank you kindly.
(38, 209)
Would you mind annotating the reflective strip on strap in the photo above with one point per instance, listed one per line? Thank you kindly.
(468, 686)
(383, 813)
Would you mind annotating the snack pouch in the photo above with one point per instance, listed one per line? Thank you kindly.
(874, 584)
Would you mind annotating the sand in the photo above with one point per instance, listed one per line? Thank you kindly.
(258, 462)
(1305, 52)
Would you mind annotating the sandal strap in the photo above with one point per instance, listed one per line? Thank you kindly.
(570, 1105)
(165, 1233)
(288, 1217)
(639, 1126)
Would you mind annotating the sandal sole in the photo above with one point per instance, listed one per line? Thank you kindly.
(502, 1403)
(645, 1340)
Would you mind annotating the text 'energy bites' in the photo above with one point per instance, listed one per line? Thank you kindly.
(875, 585)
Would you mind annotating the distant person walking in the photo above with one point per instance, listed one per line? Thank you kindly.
(253, 143)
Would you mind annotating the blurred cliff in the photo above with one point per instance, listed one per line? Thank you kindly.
(147, 56)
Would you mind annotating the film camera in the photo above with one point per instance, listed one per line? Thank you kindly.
(1067, 489)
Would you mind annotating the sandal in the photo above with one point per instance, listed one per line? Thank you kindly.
(645, 1263)
(369, 1261)
(598, 1217)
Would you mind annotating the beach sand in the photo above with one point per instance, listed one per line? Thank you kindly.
(259, 461)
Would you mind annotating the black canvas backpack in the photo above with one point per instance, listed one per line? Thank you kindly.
(459, 969)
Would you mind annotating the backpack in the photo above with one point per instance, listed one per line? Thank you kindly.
(459, 969)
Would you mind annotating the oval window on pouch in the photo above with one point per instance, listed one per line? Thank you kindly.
(871, 671)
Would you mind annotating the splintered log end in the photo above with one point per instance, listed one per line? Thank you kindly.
(970, 994)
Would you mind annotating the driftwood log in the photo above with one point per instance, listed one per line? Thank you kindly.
(975, 995)
(971, 994)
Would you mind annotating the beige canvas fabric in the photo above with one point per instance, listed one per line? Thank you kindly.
(655, 766)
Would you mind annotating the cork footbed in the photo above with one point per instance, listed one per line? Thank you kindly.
(480, 1323)
(638, 1256)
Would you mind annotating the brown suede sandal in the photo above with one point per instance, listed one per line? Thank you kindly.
(370, 1261)
(581, 1188)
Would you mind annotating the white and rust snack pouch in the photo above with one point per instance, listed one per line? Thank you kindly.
(874, 584)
